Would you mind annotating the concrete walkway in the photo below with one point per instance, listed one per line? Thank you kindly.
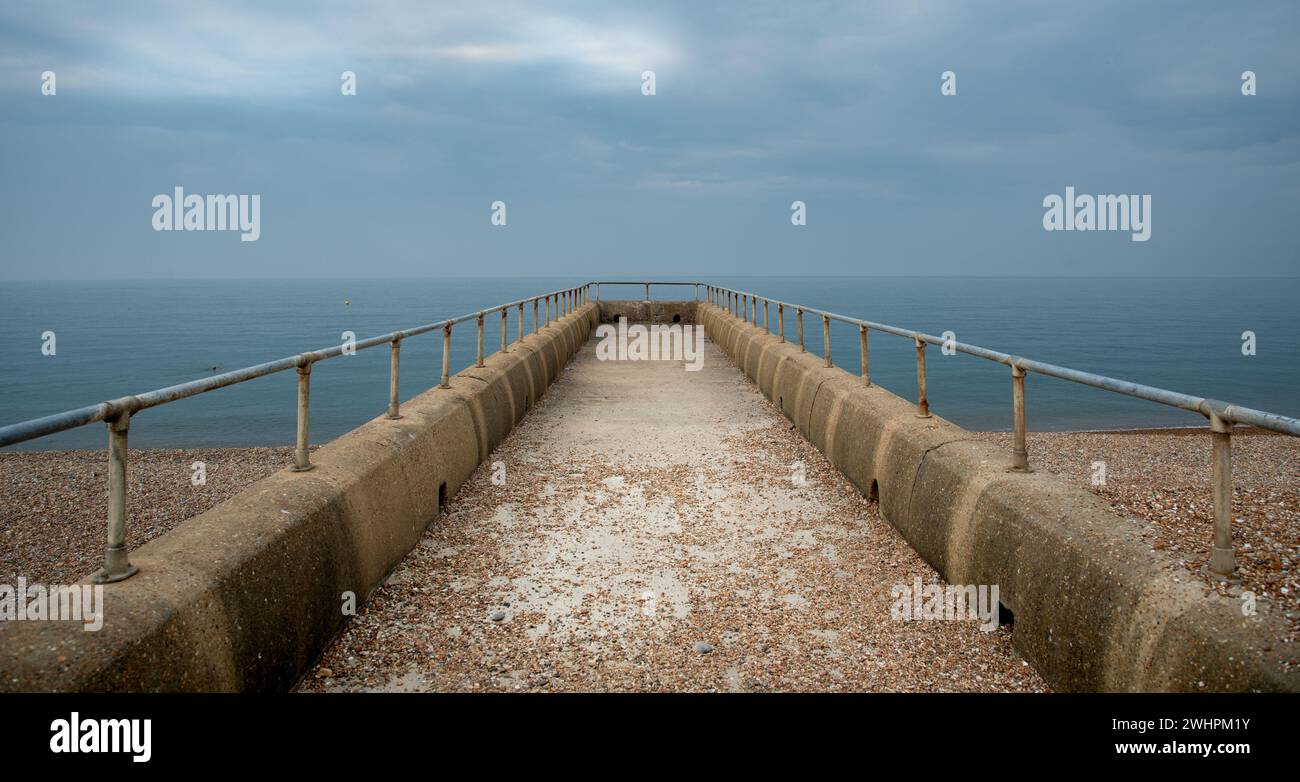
(647, 530)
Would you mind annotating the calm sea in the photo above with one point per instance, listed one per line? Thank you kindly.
(128, 337)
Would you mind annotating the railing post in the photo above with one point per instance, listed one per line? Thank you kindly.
(548, 310)
(505, 326)
(446, 356)
(647, 291)
(597, 291)
(826, 339)
(301, 457)
(697, 291)
(520, 325)
(862, 345)
(394, 365)
(767, 321)
(117, 566)
(799, 323)
(1019, 450)
(780, 321)
(1222, 560)
(478, 362)
(535, 320)
(922, 404)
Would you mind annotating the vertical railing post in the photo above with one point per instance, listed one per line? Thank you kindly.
(780, 321)
(505, 327)
(535, 319)
(301, 457)
(647, 291)
(548, 310)
(478, 360)
(697, 291)
(826, 339)
(767, 320)
(117, 565)
(862, 346)
(1019, 448)
(446, 356)
(520, 325)
(597, 291)
(799, 323)
(1222, 560)
(922, 404)
(394, 366)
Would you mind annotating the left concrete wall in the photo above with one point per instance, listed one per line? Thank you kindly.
(245, 596)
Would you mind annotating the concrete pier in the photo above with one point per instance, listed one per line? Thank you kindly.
(652, 528)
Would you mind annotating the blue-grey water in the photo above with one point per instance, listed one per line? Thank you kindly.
(115, 338)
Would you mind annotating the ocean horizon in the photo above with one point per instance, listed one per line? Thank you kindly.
(130, 336)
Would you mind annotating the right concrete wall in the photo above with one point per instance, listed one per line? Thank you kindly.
(1094, 606)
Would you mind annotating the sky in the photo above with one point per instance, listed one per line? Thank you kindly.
(756, 105)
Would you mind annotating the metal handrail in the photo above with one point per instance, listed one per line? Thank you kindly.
(117, 413)
(1221, 415)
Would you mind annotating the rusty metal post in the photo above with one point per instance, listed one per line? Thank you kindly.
(799, 322)
(780, 321)
(520, 325)
(862, 346)
(446, 355)
(1019, 450)
(535, 321)
(394, 365)
(478, 361)
(767, 319)
(922, 404)
(1222, 560)
(117, 566)
(301, 457)
(826, 340)
(548, 310)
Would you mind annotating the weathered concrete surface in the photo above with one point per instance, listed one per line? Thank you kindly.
(246, 595)
(1095, 607)
(648, 311)
(643, 509)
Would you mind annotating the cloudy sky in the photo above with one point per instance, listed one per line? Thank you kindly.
(758, 104)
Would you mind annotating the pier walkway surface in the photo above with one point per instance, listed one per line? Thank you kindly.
(645, 528)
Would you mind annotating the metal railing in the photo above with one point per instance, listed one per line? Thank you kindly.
(117, 413)
(1221, 415)
(738, 304)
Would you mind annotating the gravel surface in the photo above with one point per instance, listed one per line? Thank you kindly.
(684, 558)
(1162, 476)
(54, 516)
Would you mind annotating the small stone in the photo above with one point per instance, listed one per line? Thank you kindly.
(498, 616)
(324, 673)
(703, 648)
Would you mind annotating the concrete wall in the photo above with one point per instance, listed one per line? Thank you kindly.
(247, 595)
(1095, 608)
(647, 311)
